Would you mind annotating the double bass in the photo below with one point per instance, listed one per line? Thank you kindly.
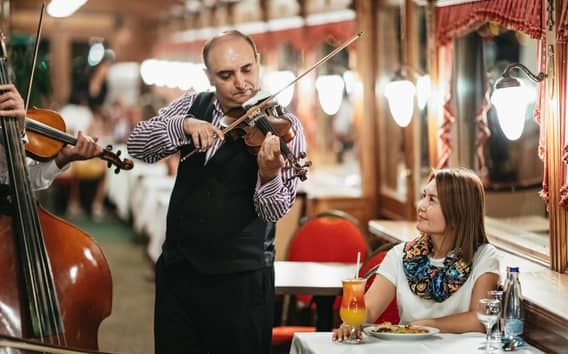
(56, 284)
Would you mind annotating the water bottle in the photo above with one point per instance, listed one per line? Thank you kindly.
(513, 314)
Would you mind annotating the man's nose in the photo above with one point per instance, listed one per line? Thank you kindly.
(240, 82)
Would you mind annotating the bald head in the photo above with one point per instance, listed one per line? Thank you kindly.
(222, 37)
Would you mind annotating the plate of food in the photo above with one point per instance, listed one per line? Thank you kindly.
(404, 332)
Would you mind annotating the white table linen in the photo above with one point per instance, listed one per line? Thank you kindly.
(320, 343)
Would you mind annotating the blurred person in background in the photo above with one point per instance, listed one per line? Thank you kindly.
(91, 93)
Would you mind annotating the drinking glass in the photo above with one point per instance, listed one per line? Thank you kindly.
(497, 333)
(352, 310)
(488, 311)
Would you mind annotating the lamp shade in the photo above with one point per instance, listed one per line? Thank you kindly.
(330, 92)
(511, 104)
(400, 97)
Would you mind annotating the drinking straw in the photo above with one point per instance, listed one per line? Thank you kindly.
(358, 261)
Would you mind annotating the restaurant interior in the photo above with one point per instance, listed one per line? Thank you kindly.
(420, 86)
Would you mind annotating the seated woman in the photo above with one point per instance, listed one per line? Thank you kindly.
(439, 277)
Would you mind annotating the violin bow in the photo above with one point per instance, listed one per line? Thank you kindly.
(36, 50)
(310, 69)
(266, 100)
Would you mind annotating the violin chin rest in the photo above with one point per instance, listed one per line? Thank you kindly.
(254, 100)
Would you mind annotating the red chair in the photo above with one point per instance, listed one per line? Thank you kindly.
(368, 270)
(331, 236)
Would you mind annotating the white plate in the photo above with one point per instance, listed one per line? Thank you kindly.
(402, 336)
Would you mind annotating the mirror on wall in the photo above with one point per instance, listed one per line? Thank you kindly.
(403, 93)
(334, 147)
(511, 169)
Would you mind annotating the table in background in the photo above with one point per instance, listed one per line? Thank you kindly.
(323, 280)
(320, 343)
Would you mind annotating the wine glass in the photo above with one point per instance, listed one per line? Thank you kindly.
(352, 310)
(488, 311)
(497, 333)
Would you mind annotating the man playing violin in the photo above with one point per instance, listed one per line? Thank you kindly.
(42, 174)
(215, 275)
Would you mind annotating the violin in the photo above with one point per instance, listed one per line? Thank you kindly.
(46, 133)
(259, 119)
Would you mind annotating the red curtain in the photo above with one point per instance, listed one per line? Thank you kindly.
(458, 20)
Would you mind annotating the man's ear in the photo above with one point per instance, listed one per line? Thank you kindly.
(258, 57)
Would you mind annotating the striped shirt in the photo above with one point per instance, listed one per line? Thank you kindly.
(163, 135)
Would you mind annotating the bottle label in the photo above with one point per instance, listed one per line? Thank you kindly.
(513, 327)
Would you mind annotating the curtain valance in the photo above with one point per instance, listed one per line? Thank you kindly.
(520, 15)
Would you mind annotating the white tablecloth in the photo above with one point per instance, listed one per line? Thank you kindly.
(120, 187)
(320, 343)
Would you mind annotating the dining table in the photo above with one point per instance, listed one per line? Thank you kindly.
(440, 343)
(320, 279)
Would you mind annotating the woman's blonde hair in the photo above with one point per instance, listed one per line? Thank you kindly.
(462, 198)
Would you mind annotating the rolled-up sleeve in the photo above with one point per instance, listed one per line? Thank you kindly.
(274, 199)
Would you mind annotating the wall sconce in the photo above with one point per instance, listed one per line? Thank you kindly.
(330, 92)
(511, 99)
(400, 96)
(400, 92)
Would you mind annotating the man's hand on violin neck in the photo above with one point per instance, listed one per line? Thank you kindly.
(12, 104)
(270, 160)
(202, 133)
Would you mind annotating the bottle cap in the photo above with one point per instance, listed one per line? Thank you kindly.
(513, 269)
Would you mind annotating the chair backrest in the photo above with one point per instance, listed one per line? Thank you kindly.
(369, 271)
(288, 224)
(331, 236)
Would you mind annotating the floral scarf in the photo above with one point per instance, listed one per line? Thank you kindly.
(428, 281)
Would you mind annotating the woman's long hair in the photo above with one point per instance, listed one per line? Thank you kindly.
(462, 198)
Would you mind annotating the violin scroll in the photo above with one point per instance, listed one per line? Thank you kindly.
(114, 159)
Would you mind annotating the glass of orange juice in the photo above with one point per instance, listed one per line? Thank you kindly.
(352, 310)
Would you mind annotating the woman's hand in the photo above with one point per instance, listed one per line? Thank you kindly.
(344, 331)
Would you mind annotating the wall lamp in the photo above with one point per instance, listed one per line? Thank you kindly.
(400, 92)
(511, 99)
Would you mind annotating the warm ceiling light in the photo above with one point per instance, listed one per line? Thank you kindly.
(64, 8)
(511, 100)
